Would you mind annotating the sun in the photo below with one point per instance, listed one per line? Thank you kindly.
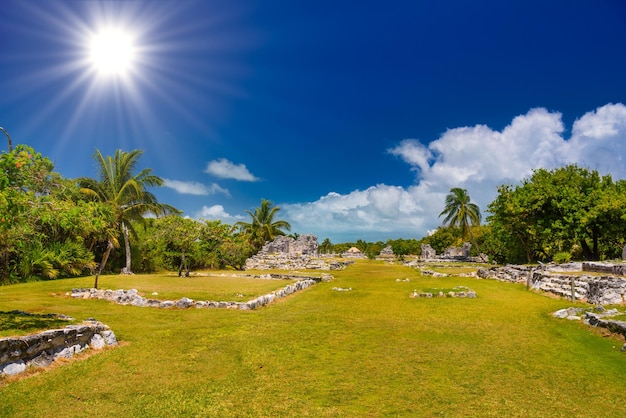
(112, 52)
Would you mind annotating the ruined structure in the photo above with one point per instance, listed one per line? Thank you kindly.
(386, 253)
(450, 254)
(286, 253)
(303, 245)
(602, 290)
(428, 252)
(353, 252)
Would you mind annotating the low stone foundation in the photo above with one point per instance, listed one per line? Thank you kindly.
(597, 316)
(601, 290)
(40, 350)
(132, 297)
(457, 292)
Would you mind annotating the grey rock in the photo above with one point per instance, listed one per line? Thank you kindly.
(11, 369)
(97, 342)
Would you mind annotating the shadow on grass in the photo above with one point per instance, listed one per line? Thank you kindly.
(21, 321)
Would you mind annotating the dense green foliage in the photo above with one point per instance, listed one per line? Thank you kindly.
(46, 229)
(52, 227)
(568, 209)
(126, 193)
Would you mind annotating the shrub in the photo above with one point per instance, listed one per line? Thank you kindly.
(562, 257)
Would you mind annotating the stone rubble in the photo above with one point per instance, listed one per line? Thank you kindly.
(459, 292)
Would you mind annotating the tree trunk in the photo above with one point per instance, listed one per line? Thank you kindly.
(480, 256)
(182, 264)
(105, 257)
(127, 269)
(586, 250)
(596, 251)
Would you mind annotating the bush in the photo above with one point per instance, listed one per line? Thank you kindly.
(562, 257)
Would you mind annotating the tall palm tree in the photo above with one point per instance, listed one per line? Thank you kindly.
(126, 192)
(263, 227)
(326, 245)
(461, 212)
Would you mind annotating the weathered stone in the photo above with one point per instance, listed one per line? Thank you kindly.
(11, 369)
(184, 303)
(97, 342)
(387, 251)
(109, 337)
(428, 252)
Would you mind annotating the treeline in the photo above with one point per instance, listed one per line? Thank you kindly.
(52, 227)
(569, 213)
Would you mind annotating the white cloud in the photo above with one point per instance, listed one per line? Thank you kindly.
(217, 212)
(359, 214)
(477, 158)
(194, 188)
(227, 170)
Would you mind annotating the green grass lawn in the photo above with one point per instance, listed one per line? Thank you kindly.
(372, 351)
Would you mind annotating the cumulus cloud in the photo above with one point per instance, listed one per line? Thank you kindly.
(477, 158)
(225, 169)
(217, 212)
(194, 188)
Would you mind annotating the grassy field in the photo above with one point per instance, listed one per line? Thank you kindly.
(372, 351)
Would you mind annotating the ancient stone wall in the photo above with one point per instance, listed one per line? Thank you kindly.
(292, 262)
(40, 350)
(132, 297)
(602, 290)
(608, 268)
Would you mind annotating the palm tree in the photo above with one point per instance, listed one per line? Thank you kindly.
(263, 227)
(326, 246)
(461, 212)
(126, 192)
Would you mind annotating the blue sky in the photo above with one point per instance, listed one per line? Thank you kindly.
(356, 118)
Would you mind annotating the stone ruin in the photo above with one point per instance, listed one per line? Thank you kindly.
(303, 245)
(428, 252)
(386, 252)
(17, 354)
(286, 253)
(600, 290)
(451, 253)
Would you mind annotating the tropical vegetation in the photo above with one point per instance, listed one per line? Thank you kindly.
(126, 193)
(566, 210)
(263, 227)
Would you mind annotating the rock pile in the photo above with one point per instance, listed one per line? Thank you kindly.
(40, 350)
